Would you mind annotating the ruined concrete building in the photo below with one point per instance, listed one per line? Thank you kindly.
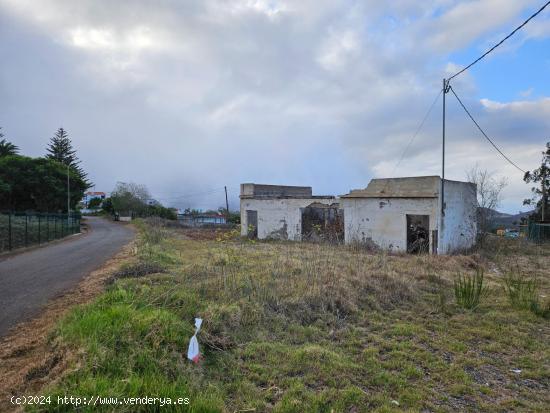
(283, 212)
(398, 214)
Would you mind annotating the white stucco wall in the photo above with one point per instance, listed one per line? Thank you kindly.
(460, 220)
(384, 220)
(278, 218)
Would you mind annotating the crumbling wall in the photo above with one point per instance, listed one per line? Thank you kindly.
(275, 191)
(323, 223)
(277, 218)
(460, 221)
(383, 221)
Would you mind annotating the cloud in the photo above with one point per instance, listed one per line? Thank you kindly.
(183, 96)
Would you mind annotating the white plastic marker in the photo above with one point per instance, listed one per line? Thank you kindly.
(193, 353)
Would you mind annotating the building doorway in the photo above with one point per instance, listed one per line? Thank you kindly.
(321, 222)
(418, 234)
(252, 223)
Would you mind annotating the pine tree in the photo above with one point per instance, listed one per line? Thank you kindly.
(7, 148)
(540, 176)
(61, 149)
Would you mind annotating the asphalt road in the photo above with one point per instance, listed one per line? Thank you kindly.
(30, 279)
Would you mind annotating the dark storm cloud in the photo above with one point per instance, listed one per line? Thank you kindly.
(187, 97)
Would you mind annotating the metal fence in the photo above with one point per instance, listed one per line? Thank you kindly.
(539, 232)
(20, 229)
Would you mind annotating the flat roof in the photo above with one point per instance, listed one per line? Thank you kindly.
(407, 187)
(263, 191)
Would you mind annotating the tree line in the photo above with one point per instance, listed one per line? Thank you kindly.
(40, 184)
(131, 199)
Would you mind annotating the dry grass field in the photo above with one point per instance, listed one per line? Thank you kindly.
(301, 327)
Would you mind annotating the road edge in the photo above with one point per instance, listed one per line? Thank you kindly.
(29, 360)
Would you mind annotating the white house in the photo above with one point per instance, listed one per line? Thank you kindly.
(398, 214)
(275, 211)
(88, 196)
(404, 214)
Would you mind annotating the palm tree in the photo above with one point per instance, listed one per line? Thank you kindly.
(7, 148)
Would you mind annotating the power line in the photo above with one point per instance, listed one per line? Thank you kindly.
(417, 131)
(502, 41)
(481, 130)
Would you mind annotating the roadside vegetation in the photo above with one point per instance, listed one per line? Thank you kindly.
(131, 199)
(302, 327)
(40, 184)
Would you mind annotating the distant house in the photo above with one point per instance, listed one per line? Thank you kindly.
(152, 202)
(200, 219)
(88, 196)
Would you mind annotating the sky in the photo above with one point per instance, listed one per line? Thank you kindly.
(187, 97)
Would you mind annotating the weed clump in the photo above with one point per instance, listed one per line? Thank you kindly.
(523, 294)
(469, 289)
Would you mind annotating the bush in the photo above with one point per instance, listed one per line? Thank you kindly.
(523, 293)
(154, 231)
(469, 289)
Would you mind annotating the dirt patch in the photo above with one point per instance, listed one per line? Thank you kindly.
(136, 270)
(207, 234)
(29, 359)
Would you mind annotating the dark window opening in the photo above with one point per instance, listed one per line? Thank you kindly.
(252, 223)
(418, 235)
(434, 241)
(323, 223)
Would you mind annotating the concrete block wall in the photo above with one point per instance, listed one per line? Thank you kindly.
(383, 221)
(278, 218)
(275, 191)
(460, 221)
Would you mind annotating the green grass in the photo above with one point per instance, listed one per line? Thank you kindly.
(292, 327)
(523, 293)
(470, 290)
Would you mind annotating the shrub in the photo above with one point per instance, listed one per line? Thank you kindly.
(154, 232)
(523, 293)
(469, 289)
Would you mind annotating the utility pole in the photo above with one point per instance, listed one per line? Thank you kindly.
(445, 90)
(68, 199)
(543, 201)
(442, 195)
(226, 206)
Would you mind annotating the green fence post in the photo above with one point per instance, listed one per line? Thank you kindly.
(26, 230)
(39, 235)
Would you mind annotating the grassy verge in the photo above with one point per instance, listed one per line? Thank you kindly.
(292, 327)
